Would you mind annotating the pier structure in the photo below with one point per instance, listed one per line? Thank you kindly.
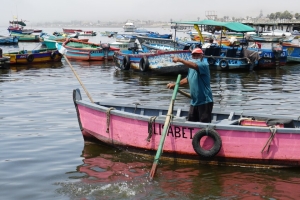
(269, 26)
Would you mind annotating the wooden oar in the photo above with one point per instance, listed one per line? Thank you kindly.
(166, 128)
(87, 93)
(184, 93)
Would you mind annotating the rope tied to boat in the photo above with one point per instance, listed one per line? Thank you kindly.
(273, 130)
(150, 127)
(108, 118)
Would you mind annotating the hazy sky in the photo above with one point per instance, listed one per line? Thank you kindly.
(122, 10)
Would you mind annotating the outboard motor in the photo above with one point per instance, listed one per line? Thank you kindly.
(105, 48)
(277, 53)
(133, 47)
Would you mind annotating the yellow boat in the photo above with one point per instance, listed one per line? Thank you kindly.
(34, 56)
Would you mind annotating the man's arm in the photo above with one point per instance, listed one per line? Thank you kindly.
(189, 64)
(182, 82)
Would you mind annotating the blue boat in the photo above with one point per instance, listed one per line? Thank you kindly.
(157, 35)
(165, 44)
(239, 56)
(293, 51)
(126, 38)
(7, 40)
(158, 62)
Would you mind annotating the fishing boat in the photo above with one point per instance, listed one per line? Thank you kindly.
(158, 35)
(232, 138)
(293, 51)
(87, 51)
(51, 43)
(70, 30)
(26, 37)
(34, 56)
(125, 38)
(87, 33)
(4, 61)
(8, 40)
(237, 55)
(267, 38)
(129, 27)
(165, 44)
(159, 62)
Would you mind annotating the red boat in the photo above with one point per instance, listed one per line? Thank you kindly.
(67, 30)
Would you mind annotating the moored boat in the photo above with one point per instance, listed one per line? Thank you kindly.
(4, 61)
(126, 38)
(129, 27)
(293, 51)
(34, 56)
(87, 51)
(87, 33)
(159, 61)
(8, 40)
(233, 138)
(51, 43)
(26, 37)
(70, 30)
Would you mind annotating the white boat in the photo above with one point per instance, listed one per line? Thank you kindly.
(129, 27)
(276, 32)
(125, 38)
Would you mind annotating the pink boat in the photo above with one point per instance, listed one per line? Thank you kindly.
(69, 30)
(232, 138)
(87, 51)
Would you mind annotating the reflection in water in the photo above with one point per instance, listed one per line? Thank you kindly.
(108, 173)
(17, 68)
(265, 91)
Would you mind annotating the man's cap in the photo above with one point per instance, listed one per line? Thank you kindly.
(197, 50)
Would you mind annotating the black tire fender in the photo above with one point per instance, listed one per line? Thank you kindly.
(30, 58)
(223, 64)
(144, 64)
(53, 55)
(126, 62)
(203, 152)
(211, 60)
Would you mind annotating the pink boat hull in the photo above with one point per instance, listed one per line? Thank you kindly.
(237, 146)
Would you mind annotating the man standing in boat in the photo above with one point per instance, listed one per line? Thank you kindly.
(198, 79)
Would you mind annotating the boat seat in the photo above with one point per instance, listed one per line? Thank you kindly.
(208, 51)
(216, 51)
(227, 122)
(231, 52)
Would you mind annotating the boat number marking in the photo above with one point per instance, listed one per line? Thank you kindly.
(175, 131)
(96, 52)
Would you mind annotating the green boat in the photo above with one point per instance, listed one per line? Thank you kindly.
(26, 38)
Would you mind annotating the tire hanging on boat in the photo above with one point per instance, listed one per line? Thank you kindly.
(144, 64)
(223, 64)
(53, 55)
(30, 58)
(126, 62)
(211, 61)
(203, 152)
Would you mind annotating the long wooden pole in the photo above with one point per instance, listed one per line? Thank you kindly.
(87, 93)
(166, 128)
(184, 93)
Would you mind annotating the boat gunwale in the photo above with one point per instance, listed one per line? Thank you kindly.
(176, 121)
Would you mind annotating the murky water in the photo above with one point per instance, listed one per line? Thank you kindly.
(43, 155)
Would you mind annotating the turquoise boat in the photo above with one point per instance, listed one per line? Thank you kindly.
(51, 44)
(293, 51)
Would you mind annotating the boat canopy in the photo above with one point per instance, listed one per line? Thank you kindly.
(18, 22)
(233, 26)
